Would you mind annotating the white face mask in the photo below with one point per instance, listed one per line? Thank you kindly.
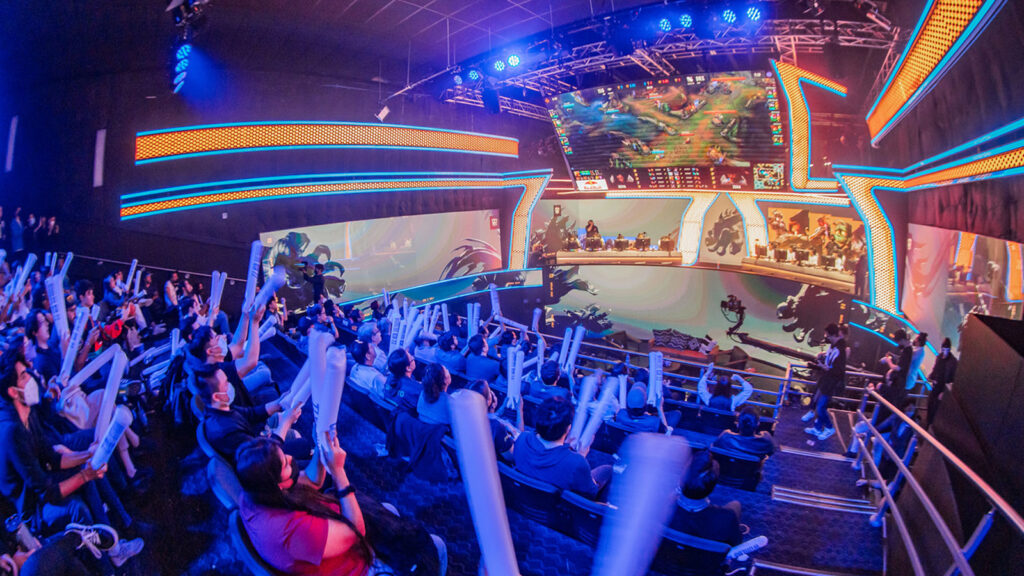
(30, 395)
(228, 396)
(223, 345)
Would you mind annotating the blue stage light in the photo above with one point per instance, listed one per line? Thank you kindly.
(458, 80)
(665, 24)
(178, 87)
(499, 65)
(753, 13)
(474, 75)
(180, 78)
(183, 51)
(729, 16)
(181, 65)
(513, 60)
(686, 21)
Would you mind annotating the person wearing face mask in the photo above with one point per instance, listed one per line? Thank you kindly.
(208, 347)
(364, 376)
(47, 486)
(227, 427)
(942, 376)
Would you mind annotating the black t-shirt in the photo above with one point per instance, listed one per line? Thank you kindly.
(712, 523)
(227, 430)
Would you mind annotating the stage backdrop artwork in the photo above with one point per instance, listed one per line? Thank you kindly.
(363, 258)
(951, 274)
(723, 240)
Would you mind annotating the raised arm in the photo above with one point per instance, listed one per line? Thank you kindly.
(248, 362)
(744, 394)
(702, 385)
(241, 333)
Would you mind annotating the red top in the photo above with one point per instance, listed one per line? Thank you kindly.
(294, 542)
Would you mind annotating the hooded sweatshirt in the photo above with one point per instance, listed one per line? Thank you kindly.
(558, 466)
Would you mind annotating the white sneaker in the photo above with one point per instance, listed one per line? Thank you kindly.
(98, 538)
(807, 417)
(812, 431)
(124, 550)
(827, 433)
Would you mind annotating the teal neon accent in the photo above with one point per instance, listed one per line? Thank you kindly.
(318, 147)
(315, 122)
(870, 241)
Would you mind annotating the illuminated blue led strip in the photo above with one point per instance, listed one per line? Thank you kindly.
(870, 241)
(981, 19)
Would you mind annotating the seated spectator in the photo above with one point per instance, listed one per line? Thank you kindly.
(37, 478)
(432, 406)
(721, 396)
(369, 332)
(638, 416)
(550, 384)
(748, 440)
(227, 427)
(695, 514)
(504, 432)
(544, 455)
(401, 386)
(208, 347)
(448, 353)
(363, 374)
(478, 365)
(293, 527)
(425, 350)
(45, 358)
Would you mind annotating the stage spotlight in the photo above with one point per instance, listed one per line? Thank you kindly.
(753, 13)
(183, 51)
(178, 87)
(458, 80)
(729, 16)
(513, 60)
(382, 114)
(474, 75)
(665, 25)
(180, 78)
(499, 65)
(686, 21)
(181, 65)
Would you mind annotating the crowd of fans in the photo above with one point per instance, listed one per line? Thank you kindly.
(299, 508)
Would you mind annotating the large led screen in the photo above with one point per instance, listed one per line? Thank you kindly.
(951, 274)
(720, 131)
(363, 258)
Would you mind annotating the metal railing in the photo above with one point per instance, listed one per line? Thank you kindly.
(960, 554)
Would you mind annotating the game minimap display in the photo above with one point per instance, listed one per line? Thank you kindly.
(721, 131)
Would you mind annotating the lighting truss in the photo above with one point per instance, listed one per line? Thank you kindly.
(473, 97)
(771, 36)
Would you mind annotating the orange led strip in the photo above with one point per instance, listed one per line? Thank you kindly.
(792, 78)
(203, 140)
(945, 30)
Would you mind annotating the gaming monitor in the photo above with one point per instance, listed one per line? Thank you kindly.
(714, 131)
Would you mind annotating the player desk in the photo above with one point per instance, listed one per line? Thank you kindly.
(571, 257)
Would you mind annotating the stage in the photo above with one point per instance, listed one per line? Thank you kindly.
(831, 279)
(609, 257)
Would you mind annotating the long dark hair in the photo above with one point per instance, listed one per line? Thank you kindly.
(259, 472)
(433, 382)
(398, 363)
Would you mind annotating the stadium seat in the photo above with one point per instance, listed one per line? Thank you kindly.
(610, 437)
(737, 469)
(245, 549)
(583, 517)
(224, 483)
(713, 421)
(683, 555)
(534, 499)
(204, 444)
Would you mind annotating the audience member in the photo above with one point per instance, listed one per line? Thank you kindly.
(550, 383)
(695, 514)
(748, 440)
(316, 281)
(448, 353)
(544, 455)
(478, 365)
(942, 376)
(401, 387)
(363, 374)
(504, 432)
(432, 406)
(721, 397)
(369, 332)
(831, 382)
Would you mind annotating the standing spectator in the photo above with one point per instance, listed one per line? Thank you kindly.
(831, 382)
(17, 234)
(942, 376)
(316, 281)
(171, 290)
(52, 241)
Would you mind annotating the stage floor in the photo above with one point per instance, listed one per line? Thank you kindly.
(831, 279)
